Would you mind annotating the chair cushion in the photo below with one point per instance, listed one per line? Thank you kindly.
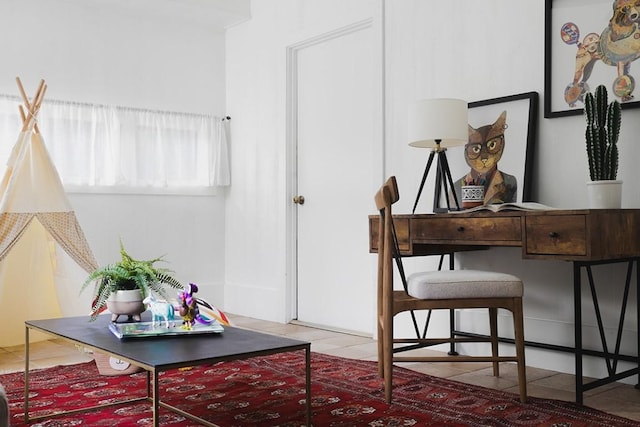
(455, 284)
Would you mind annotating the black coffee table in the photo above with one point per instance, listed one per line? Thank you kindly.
(158, 354)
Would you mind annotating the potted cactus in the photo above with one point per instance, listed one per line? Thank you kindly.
(602, 132)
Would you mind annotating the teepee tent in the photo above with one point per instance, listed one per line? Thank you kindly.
(44, 256)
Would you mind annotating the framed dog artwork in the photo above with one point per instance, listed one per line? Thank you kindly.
(499, 153)
(588, 43)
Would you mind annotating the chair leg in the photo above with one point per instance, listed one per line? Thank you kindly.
(388, 356)
(493, 327)
(518, 327)
(380, 347)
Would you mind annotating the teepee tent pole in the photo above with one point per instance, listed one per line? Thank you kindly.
(32, 108)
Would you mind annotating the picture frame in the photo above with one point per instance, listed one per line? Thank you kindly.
(520, 140)
(579, 55)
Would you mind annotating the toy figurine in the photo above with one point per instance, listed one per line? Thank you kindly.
(160, 310)
(189, 310)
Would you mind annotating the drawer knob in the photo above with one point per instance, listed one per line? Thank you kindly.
(461, 229)
(553, 235)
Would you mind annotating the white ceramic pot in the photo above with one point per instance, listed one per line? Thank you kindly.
(127, 303)
(604, 194)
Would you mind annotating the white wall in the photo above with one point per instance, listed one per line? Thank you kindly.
(471, 49)
(97, 54)
(256, 203)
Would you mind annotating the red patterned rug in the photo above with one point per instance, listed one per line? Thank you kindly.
(269, 391)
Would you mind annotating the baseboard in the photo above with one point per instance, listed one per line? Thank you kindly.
(256, 302)
(332, 329)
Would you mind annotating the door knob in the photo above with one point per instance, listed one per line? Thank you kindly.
(298, 200)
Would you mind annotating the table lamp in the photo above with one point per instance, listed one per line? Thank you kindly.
(438, 124)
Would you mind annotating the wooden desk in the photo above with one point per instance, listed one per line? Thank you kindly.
(583, 237)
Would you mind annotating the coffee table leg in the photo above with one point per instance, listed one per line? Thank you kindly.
(308, 380)
(149, 389)
(26, 374)
(156, 399)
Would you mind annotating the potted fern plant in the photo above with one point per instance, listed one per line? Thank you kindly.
(122, 286)
(602, 132)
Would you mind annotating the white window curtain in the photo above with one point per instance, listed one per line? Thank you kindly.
(97, 146)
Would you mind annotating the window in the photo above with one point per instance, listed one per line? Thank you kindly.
(103, 147)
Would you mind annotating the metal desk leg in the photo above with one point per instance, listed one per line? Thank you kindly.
(308, 383)
(577, 318)
(638, 319)
(610, 357)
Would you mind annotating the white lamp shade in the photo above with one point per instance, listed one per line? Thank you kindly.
(440, 119)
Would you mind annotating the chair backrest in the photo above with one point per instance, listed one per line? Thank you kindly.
(387, 195)
(385, 198)
(388, 249)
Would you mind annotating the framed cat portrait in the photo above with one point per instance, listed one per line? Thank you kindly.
(498, 157)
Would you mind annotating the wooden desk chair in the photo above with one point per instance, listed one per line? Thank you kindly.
(441, 289)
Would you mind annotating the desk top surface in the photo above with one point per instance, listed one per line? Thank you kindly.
(558, 234)
(515, 212)
(168, 352)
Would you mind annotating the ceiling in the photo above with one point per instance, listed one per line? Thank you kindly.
(218, 14)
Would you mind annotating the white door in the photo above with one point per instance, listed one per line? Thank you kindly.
(335, 144)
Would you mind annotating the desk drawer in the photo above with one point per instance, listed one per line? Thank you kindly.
(556, 235)
(402, 233)
(473, 230)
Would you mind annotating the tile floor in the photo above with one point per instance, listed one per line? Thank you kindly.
(620, 399)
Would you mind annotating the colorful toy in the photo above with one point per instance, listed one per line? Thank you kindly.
(188, 307)
(160, 310)
(218, 315)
